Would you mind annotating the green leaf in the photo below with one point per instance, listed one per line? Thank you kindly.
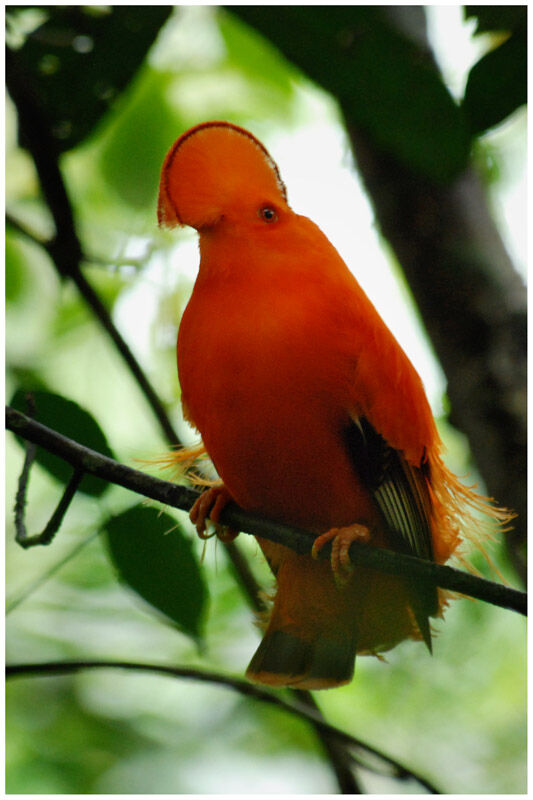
(81, 58)
(497, 84)
(68, 418)
(386, 84)
(154, 557)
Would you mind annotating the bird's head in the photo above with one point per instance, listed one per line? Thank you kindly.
(219, 171)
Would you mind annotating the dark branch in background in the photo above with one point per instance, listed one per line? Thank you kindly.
(246, 578)
(300, 541)
(392, 767)
(65, 248)
(66, 253)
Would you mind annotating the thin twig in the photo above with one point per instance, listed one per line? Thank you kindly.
(22, 229)
(245, 577)
(301, 541)
(94, 259)
(396, 769)
(21, 534)
(54, 523)
(17, 600)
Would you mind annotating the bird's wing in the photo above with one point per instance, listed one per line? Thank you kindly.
(399, 489)
(400, 492)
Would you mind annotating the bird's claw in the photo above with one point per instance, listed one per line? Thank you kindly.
(209, 506)
(341, 539)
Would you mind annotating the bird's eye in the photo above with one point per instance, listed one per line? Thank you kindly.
(268, 214)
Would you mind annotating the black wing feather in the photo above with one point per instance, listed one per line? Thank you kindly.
(400, 493)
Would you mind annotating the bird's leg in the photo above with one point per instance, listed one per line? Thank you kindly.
(341, 539)
(209, 506)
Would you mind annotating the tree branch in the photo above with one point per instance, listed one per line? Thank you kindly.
(396, 770)
(301, 541)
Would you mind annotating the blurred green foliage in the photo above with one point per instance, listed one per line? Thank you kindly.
(68, 57)
(457, 717)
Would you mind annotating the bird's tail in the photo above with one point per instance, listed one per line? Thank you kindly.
(310, 641)
(288, 659)
(316, 628)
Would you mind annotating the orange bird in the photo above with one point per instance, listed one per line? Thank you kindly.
(310, 411)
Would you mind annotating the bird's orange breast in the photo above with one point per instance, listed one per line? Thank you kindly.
(270, 396)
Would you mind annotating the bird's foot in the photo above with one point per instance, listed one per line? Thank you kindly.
(209, 506)
(341, 539)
